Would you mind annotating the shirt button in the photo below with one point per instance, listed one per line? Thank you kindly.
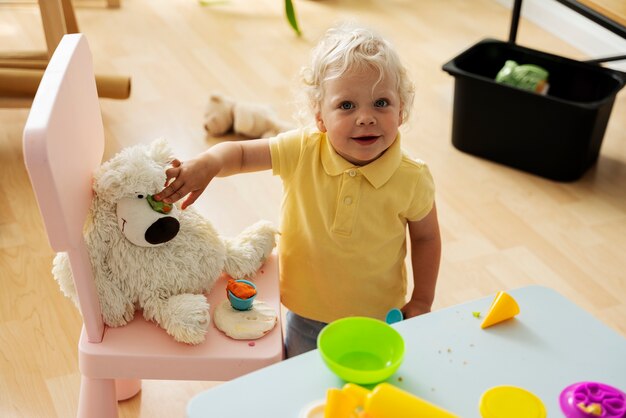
(352, 173)
(347, 200)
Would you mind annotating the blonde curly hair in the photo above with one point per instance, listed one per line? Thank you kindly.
(346, 48)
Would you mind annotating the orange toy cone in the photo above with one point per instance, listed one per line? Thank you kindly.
(502, 308)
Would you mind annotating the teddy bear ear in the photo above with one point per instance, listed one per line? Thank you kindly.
(216, 98)
(160, 151)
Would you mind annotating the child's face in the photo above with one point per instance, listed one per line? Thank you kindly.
(361, 118)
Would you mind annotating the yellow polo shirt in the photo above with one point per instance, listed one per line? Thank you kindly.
(343, 228)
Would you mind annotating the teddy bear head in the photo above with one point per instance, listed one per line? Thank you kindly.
(126, 184)
(218, 116)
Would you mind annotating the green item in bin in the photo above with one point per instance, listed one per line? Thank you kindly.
(527, 77)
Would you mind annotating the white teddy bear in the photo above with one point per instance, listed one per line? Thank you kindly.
(152, 256)
(251, 120)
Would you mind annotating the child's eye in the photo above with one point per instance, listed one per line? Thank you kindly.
(346, 106)
(381, 103)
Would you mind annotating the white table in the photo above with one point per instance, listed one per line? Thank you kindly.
(450, 361)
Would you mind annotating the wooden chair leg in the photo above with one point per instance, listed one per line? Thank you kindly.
(53, 21)
(70, 17)
(23, 82)
(20, 73)
(58, 19)
(97, 398)
(24, 59)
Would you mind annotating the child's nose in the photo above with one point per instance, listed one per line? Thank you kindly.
(366, 118)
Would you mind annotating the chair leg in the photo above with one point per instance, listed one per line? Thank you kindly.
(97, 398)
(69, 16)
(127, 388)
(53, 23)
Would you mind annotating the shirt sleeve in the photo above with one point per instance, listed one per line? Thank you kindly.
(423, 194)
(285, 151)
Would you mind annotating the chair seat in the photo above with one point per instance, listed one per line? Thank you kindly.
(141, 349)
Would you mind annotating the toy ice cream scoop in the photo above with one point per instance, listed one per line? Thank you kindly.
(384, 401)
(592, 399)
(502, 308)
(241, 294)
(388, 401)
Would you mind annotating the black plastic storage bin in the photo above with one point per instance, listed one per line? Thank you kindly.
(557, 136)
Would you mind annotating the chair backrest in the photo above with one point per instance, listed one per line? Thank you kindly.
(63, 145)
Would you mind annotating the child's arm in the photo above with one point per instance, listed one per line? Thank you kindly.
(221, 160)
(425, 257)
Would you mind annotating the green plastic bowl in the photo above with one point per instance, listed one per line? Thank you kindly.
(361, 350)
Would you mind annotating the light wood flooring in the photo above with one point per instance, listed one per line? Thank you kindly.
(501, 228)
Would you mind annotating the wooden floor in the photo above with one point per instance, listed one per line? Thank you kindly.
(501, 228)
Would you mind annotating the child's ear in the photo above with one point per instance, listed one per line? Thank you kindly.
(320, 122)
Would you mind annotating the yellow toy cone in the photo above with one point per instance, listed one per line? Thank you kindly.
(502, 308)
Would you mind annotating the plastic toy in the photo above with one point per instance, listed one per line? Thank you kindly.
(241, 317)
(384, 401)
(526, 77)
(394, 315)
(160, 207)
(511, 402)
(592, 399)
(361, 350)
(241, 294)
(502, 308)
(250, 324)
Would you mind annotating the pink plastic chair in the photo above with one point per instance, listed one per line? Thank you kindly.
(63, 145)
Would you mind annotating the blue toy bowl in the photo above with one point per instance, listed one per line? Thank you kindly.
(238, 303)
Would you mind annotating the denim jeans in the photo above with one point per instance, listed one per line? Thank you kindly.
(301, 334)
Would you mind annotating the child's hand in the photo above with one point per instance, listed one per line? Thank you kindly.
(190, 178)
(414, 308)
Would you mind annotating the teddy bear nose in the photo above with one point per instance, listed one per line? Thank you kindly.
(163, 230)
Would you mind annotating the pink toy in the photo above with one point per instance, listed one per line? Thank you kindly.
(592, 399)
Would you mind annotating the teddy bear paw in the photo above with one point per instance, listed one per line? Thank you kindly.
(187, 318)
(247, 251)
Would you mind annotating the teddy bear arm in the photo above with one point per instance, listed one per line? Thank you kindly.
(117, 307)
(62, 273)
(247, 252)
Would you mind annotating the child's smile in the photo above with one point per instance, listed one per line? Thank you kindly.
(367, 139)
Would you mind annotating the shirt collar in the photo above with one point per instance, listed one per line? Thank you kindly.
(377, 172)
